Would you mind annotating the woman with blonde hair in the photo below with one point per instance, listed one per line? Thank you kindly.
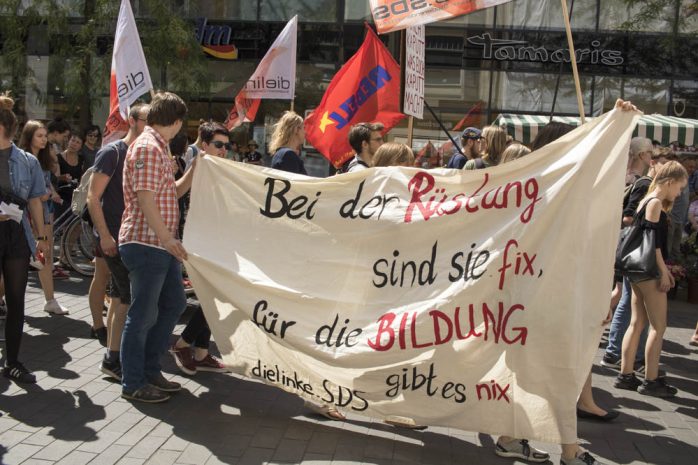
(514, 152)
(286, 142)
(493, 143)
(34, 140)
(649, 299)
(393, 154)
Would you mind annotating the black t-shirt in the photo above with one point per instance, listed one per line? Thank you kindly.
(286, 159)
(639, 190)
(75, 172)
(5, 181)
(110, 161)
(254, 157)
(88, 156)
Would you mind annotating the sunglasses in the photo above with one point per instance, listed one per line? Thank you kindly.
(219, 145)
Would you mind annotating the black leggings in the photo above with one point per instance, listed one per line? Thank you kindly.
(197, 331)
(14, 268)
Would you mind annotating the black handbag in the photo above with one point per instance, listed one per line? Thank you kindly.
(636, 256)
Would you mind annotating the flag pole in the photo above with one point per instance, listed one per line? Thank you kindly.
(573, 60)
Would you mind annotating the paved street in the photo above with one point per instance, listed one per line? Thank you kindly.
(76, 416)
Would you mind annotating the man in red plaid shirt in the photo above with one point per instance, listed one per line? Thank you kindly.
(152, 252)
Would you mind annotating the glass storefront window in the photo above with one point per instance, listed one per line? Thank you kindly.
(544, 14)
(649, 95)
(533, 93)
(309, 10)
(224, 9)
(616, 12)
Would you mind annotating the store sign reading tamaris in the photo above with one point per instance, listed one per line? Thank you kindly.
(438, 295)
(215, 40)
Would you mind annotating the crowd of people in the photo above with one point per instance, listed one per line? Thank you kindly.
(138, 199)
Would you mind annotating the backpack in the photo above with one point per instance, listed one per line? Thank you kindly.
(630, 188)
(79, 202)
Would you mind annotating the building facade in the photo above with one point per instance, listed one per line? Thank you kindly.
(506, 59)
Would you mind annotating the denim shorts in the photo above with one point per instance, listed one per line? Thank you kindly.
(120, 284)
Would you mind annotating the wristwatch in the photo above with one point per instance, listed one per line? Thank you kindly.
(41, 238)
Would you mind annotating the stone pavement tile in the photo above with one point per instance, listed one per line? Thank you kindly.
(318, 458)
(290, 450)
(19, 453)
(222, 460)
(379, 448)
(175, 443)
(111, 455)
(266, 437)
(130, 461)
(194, 454)
(347, 453)
(7, 423)
(256, 456)
(76, 457)
(37, 462)
(163, 457)
(104, 439)
(124, 422)
(323, 443)
(57, 450)
(233, 446)
(43, 437)
(11, 437)
(146, 447)
(139, 431)
(407, 452)
(162, 430)
(299, 430)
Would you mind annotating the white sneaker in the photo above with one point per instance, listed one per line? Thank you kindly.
(36, 264)
(52, 306)
(521, 449)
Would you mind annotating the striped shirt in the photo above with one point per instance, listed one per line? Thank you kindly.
(148, 167)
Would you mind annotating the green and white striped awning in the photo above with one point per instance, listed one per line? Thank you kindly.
(665, 129)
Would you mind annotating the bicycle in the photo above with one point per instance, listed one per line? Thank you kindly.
(74, 242)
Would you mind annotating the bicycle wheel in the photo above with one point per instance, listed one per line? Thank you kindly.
(74, 245)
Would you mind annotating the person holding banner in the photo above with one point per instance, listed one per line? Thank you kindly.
(649, 300)
(152, 252)
(393, 154)
(286, 142)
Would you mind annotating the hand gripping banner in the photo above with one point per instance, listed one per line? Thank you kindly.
(467, 299)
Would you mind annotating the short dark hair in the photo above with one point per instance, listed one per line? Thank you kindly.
(550, 132)
(138, 110)
(89, 129)
(208, 131)
(58, 125)
(166, 109)
(178, 144)
(361, 132)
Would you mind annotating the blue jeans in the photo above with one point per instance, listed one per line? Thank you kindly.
(157, 302)
(619, 325)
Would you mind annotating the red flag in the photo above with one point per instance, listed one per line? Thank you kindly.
(427, 150)
(472, 118)
(244, 110)
(366, 89)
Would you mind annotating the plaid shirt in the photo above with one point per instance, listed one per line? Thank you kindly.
(148, 167)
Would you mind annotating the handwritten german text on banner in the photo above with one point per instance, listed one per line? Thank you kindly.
(469, 299)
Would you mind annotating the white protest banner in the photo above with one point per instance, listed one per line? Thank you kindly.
(468, 299)
(130, 77)
(414, 72)
(393, 15)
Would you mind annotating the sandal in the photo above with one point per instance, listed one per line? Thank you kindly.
(403, 422)
(327, 411)
(333, 414)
